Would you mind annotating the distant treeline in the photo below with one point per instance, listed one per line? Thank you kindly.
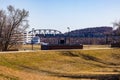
(92, 32)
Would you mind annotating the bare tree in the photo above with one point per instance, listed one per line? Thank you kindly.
(13, 23)
(116, 25)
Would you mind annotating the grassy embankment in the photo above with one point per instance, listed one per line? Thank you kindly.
(60, 65)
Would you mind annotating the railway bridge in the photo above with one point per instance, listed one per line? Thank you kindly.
(45, 31)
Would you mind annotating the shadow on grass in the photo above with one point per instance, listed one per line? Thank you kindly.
(92, 58)
(87, 57)
(69, 53)
(8, 77)
(76, 76)
(97, 77)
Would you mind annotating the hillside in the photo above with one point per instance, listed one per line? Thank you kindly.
(92, 32)
(60, 65)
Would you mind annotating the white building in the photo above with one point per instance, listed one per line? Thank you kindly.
(29, 37)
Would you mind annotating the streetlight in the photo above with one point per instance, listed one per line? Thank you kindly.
(32, 38)
(68, 35)
(68, 29)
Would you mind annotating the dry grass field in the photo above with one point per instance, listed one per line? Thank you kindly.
(61, 65)
(29, 47)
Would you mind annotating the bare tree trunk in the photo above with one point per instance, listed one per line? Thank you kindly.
(12, 22)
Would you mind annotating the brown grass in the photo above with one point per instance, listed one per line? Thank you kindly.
(29, 47)
(10, 74)
(61, 64)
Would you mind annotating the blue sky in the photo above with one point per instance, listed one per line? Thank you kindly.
(60, 14)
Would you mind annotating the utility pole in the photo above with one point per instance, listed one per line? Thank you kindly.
(32, 38)
(68, 35)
